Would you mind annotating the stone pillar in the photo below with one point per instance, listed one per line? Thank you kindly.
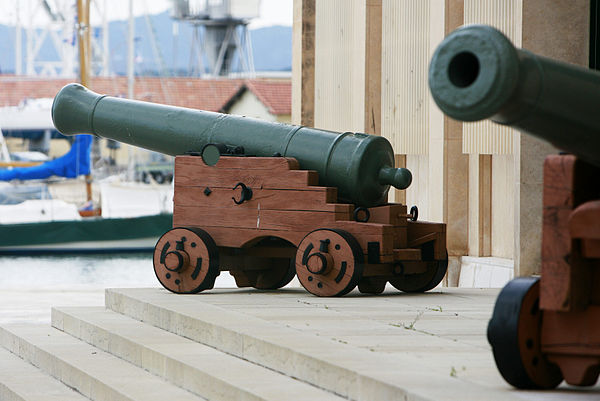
(480, 205)
(560, 30)
(437, 156)
(373, 67)
(303, 63)
(456, 171)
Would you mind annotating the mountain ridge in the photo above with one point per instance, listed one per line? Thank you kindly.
(271, 47)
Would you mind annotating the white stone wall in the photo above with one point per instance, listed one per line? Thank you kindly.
(250, 106)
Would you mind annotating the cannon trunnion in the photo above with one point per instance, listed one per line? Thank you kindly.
(542, 329)
(264, 220)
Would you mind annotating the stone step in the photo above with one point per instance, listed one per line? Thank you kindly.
(89, 370)
(21, 381)
(196, 367)
(355, 373)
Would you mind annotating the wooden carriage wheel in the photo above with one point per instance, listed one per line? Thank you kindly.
(278, 272)
(514, 332)
(329, 262)
(279, 275)
(421, 282)
(186, 260)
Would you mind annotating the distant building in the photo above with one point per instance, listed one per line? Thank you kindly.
(265, 99)
(269, 99)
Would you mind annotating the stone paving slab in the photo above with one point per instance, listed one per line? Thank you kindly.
(193, 366)
(90, 371)
(21, 381)
(394, 346)
(360, 373)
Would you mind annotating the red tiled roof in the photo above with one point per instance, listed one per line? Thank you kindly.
(203, 94)
(276, 95)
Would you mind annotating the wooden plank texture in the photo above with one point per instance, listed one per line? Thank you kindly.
(407, 254)
(425, 229)
(242, 162)
(259, 172)
(186, 175)
(253, 218)
(393, 213)
(568, 182)
(556, 283)
(313, 198)
(244, 237)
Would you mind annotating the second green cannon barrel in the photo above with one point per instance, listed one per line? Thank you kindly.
(361, 166)
(477, 73)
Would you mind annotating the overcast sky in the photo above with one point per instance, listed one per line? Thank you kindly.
(272, 12)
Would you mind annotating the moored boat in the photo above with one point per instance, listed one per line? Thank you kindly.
(43, 208)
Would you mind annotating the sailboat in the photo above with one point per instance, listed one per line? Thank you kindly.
(47, 225)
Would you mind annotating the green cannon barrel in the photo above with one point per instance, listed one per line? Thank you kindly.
(361, 166)
(476, 73)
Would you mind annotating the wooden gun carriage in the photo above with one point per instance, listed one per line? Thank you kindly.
(281, 201)
(264, 220)
(542, 329)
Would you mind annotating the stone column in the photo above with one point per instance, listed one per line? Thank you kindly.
(456, 171)
(303, 63)
(373, 67)
(560, 30)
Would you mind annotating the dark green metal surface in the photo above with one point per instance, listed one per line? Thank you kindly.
(361, 166)
(476, 73)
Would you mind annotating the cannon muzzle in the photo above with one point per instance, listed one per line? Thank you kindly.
(476, 73)
(361, 166)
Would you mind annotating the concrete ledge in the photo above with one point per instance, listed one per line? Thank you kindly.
(333, 364)
(485, 272)
(88, 370)
(21, 381)
(187, 364)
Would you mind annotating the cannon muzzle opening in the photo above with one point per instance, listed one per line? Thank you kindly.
(476, 73)
(473, 73)
(463, 69)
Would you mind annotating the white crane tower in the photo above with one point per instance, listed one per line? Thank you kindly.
(220, 29)
(56, 20)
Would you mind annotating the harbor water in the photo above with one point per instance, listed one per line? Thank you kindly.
(31, 285)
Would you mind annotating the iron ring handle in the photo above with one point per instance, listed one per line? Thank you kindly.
(357, 214)
(246, 193)
(414, 213)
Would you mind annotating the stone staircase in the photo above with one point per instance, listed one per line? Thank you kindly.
(148, 344)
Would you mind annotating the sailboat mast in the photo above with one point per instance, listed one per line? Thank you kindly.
(130, 82)
(83, 33)
(130, 52)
